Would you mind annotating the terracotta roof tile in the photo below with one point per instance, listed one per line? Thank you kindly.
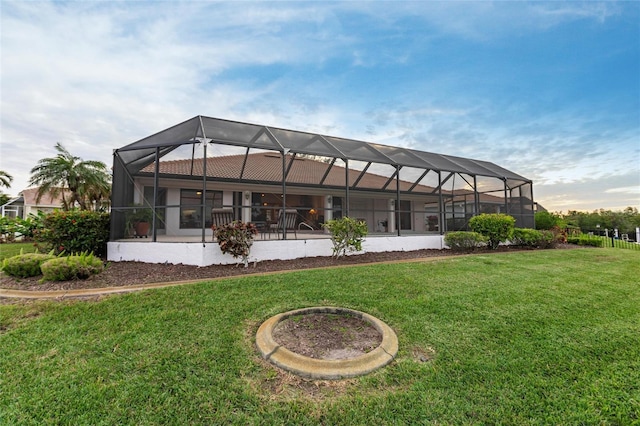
(47, 199)
(267, 167)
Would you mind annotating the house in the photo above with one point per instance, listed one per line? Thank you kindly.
(255, 171)
(26, 204)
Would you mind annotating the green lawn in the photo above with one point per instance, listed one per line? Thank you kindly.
(535, 337)
(12, 249)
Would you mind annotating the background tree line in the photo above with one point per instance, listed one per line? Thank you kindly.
(624, 221)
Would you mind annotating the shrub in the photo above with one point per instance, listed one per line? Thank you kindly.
(25, 265)
(545, 220)
(14, 227)
(533, 238)
(498, 228)
(80, 266)
(464, 240)
(347, 234)
(236, 238)
(560, 234)
(7, 229)
(550, 239)
(27, 227)
(585, 240)
(74, 231)
(11, 228)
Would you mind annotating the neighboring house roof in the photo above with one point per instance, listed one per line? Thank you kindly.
(17, 201)
(47, 199)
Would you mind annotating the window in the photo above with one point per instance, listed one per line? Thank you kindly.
(191, 207)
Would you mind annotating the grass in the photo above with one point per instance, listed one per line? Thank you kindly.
(536, 337)
(13, 249)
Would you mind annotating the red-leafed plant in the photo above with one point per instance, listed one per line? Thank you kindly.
(236, 239)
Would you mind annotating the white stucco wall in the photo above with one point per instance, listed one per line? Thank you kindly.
(209, 253)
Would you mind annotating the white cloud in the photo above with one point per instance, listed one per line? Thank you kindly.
(608, 191)
(99, 75)
(624, 190)
(484, 21)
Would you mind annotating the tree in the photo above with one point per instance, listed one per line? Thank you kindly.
(546, 220)
(76, 180)
(625, 221)
(5, 179)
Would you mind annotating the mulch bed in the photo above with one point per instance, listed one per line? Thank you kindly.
(118, 274)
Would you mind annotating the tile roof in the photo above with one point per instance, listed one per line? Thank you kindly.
(267, 167)
(47, 199)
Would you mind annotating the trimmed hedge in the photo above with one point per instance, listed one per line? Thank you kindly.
(585, 240)
(80, 266)
(533, 238)
(464, 240)
(25, 265)
(497, 227)
(75, 231)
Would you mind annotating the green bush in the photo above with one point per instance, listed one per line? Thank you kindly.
(74, 231)
(346, 235)
(546, 221)
(550, 239)
(80, 266)
(464, 240)
(498, 228)
(25, 265)
(585, 240)
(532, 238)
(236, 238)
(13, 227)
(28, 227)
(7, 229)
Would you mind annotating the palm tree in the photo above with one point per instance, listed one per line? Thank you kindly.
(5, 179)
(76, 180)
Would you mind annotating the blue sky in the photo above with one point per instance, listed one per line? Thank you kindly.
(549, 90)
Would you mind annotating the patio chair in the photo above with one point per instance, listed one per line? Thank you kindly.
(287, 221)
(221, 217)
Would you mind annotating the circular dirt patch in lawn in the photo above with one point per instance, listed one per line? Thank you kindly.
(327, 336)
(327, 342)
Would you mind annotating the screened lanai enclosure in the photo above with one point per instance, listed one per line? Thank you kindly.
(289, 183)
